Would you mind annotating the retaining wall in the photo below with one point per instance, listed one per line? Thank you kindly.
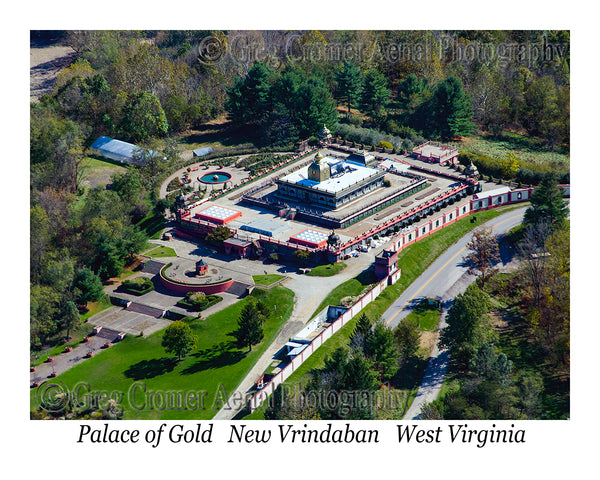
(180, 287)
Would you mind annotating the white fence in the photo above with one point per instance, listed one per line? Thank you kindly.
(284, 374)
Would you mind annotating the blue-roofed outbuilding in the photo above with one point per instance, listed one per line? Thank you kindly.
(200, 152)
(117, 150)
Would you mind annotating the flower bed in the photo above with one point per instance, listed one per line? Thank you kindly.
(174, 184)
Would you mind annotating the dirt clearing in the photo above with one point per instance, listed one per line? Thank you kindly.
(44, 64)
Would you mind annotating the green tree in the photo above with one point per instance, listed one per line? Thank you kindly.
(39, 240)
(44, 309)
(128, 186)
(218, 235)
(547, 204)
(143, 117)
(408, 336)
(70, 318)
(542, 108)
(109, 260)
(381, 349)
(483, 251)
(303, 256)
(361, 333)
(467, 324)
(250, 330)
(349, 82)
(58, 273)
(510, 165)
(315, 107)
(277, 405)
(263, 310)
(178, 339)
(375, 95)
(176, 111)
(347, 371)
(411, 93)
(450, 110)
(249, 97)
(285, 89)
(485, 360)
(531, 387)
(56, 149)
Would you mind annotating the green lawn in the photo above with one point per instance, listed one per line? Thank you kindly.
(427, 316)
(98, 171)
(350, 288)
(327, 270)
(153, 225)
(266, 280)
(215, 365)
(161, 251)
(413, 260)
(96, 307)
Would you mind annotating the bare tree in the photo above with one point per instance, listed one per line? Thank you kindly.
(483, 251)
(533, 256)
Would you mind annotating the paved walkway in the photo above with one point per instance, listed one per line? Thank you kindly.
(439, 359)
(309, 293)
(66, 360)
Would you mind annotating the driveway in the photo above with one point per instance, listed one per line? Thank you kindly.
(444, 279)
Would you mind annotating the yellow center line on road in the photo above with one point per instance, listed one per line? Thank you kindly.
(439, 270)
(425, 284)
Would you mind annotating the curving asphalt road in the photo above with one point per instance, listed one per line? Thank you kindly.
(444, 279)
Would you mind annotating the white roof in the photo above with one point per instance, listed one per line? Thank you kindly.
(399, 167)
(491, 193)
(124, 151)
(353, 173)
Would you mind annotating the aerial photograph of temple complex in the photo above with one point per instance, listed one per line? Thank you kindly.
(219, 233)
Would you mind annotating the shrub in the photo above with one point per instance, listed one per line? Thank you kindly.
(392, 127)
(387, 183)
(274, 257)
(356, 120)
(303, 256)
(197, 297)
(386, 145)
(138, 286)
(138, 283)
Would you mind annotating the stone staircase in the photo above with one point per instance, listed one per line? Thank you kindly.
(238, 288)
(153, 267)
(108, 334)
(145, 309)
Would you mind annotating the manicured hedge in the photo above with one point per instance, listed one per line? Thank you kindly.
(210, 301)
(135, 288)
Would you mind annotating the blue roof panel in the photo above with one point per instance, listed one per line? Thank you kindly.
(200, 152)
(124, 150)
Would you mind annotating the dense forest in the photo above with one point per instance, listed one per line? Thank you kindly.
(150, 87)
